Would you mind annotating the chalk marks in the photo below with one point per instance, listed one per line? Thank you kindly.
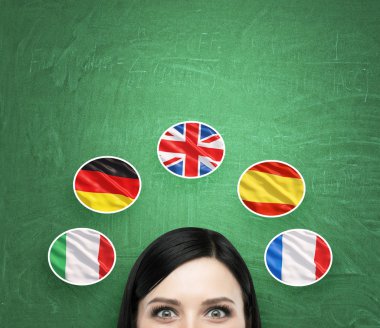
(207, 60)
(208, 43)
(320, 80)
(336, 46)
(173, 72)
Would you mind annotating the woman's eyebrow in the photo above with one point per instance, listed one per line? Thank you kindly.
(165, 300)
(217, 300)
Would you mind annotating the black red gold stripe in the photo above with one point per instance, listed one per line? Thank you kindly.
(107, 184)
(111, 166)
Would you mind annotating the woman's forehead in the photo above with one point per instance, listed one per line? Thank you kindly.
(198, 280)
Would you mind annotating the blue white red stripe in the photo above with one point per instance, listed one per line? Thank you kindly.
(191, 149)
(298, 257)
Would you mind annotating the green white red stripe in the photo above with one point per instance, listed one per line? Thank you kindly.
(82, 256)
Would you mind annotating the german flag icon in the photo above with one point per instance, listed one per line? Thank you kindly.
(271, 188)
(107, 184)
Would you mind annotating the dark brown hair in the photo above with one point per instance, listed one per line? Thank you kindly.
(173, 249)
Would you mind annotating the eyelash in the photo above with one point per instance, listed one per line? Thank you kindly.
(225, 308)
(157, 309)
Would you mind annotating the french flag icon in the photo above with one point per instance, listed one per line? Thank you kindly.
(298, 257)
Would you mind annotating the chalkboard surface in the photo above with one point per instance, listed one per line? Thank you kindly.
(296, 81)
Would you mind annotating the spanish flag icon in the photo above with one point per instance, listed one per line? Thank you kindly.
(107, 184)
(271, 188)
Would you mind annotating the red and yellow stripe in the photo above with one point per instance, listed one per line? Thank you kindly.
(107, 185)
(271, 188)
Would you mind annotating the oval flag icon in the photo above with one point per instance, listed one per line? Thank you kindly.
(298, 257)
(81, 256)
(107, 184)
(191, 149)
(271, 188)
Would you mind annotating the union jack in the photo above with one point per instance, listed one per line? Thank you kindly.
(191, 149)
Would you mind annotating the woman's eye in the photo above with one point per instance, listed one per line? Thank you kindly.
(216, 314)
(166, 314)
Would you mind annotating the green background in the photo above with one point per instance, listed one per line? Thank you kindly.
(296, 81)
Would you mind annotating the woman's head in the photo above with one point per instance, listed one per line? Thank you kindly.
(189, 274)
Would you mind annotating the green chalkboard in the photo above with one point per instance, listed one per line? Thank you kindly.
(296, 81)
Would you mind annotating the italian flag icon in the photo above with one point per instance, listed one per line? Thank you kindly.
(81, 256)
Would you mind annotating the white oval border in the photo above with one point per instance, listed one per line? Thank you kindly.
(76, 284)
(314, 233)
(184, 177)
(272, 216)
(96, 211)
